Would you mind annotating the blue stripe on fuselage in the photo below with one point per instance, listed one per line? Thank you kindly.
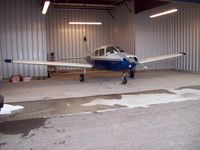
(112, 65)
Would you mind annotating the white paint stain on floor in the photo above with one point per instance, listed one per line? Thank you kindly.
(10, 109)
(145, 100)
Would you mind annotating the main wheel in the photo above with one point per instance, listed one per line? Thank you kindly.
(132, 74)
(124, 80)
(82, 77)
(49, 74)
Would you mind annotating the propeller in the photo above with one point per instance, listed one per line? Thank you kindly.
(132, 60)
(125, 57)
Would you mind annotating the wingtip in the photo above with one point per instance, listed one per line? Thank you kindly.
(8, 60)
(183, 53)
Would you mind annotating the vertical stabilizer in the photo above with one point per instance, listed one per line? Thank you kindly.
(87, 50)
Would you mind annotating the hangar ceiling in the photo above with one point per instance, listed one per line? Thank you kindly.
(85, 4)
(140, 5)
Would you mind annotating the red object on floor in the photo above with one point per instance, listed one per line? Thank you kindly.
(15, 78)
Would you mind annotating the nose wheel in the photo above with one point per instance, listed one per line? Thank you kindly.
(124, 79)
(132, 73)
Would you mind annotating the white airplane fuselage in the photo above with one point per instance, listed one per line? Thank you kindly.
(112, 58)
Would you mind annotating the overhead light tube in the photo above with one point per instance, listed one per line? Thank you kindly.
(164, 13)
(45, 7)
(86, 23)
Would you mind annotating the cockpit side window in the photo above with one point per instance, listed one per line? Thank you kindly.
(111, 50)
(101, 52)
(96, 52)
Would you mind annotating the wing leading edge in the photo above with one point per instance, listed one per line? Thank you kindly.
(157, 58)
(49, 63)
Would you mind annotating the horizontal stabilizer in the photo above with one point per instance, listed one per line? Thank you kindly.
(8, 60)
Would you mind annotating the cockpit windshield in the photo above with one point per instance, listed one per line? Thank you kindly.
(120, 50)
(111, 49)
(114, 49)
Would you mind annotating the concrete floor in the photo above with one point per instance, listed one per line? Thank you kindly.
(59, 120)
(101, 83)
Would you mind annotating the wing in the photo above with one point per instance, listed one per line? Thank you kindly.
(157, 58)
(49, 63)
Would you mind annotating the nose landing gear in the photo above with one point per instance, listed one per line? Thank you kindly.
(132, 73)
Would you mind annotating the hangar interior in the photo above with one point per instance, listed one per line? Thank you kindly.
(34, 36)
(27, 34)
(158, 109)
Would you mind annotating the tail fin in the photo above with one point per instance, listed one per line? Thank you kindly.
(87, 50)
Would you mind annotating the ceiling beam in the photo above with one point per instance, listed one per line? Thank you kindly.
(82, 6)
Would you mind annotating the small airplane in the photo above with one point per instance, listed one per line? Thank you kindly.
(109, 57)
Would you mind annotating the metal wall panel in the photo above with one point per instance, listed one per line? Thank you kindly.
(178, 32)
(27, 34)
(66, 40)
(22, 36)
(124, 27)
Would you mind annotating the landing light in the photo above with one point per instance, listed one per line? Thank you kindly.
(45, 7)
(86, 23)
(164, 13)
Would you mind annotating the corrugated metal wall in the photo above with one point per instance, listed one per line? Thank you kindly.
(124, 27)
(169, 34)
(22, 36)
(27, 34)
(67, 40)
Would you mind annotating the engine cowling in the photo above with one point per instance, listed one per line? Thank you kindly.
(133, 59)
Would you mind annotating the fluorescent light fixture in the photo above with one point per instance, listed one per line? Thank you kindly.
(164, 13)
(87, 23)
(45, 7)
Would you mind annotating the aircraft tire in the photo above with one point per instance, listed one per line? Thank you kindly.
(49, 74)
(132, 74)
(82, 77)
(124, 80)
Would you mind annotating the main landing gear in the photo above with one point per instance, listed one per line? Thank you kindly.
(82, 76)
(124, 79)
(131, 75)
